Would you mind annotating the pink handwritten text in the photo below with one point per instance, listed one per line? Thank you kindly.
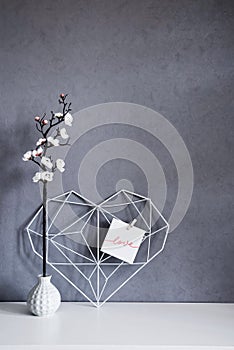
(118, 241)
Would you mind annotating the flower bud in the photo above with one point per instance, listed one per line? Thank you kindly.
(62, 95)
(45, 121)
(37, 118)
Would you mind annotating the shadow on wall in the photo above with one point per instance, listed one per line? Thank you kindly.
(12, 172)
(29, 259)
(15, 140)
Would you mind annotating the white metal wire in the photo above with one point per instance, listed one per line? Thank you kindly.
(96, 259)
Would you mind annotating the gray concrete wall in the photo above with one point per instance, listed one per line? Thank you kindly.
(175, 57)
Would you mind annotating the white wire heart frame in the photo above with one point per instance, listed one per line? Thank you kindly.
(76, 230)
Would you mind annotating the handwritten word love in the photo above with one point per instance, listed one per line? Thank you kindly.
(117, 241)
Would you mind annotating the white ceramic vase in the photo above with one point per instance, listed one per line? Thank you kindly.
(44, 298)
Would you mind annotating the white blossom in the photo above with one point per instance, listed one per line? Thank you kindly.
(47, 176)
(60, 165)
(63, 133)
(27, 156)
(58, 115)
(47, 162)
(68, 119)
(44, 176)
(40, 142)
(37, 152)
(36, 177)
(54, 142)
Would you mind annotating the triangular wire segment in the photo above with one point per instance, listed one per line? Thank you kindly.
(118, 202)
(115, 204)
(98, 281)
(62, 215)
(119, 198)
(72, 203)
(56, 256)
(134, 195)
(62, 196)
(77, 277)
(87, 270)
(90, 235)
(54, 208)
(77, 247)
(127, 207)
(157, 221)
(110, 199)
(108, 215)
(116, 279)
(108, 269)
(78, 253)
(142, 254)
(76, 226)
(157, 241)
(137, 211)
(88, 201)
(102, 283)
(36, 222)
(35, 241)
(102, 286)
(104, 224)
(77, 268)
(74, 198)
(107, 259)
(162, 218)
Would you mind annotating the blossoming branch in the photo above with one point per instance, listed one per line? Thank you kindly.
(61, 138)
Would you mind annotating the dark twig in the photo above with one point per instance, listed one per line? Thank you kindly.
(34, 161)
(40, 126)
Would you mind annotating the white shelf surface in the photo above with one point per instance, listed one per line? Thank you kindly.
(119, 326)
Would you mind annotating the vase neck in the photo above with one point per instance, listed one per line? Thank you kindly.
(44, 280)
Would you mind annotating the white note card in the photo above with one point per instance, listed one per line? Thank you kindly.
(122, 241)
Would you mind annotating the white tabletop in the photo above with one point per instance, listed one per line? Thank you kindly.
(125, 326)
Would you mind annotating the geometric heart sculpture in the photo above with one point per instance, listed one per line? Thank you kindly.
(76, 229)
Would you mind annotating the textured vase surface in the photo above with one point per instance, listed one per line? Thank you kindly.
(44, 298)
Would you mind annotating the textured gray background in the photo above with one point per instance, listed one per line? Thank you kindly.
(173, 56)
